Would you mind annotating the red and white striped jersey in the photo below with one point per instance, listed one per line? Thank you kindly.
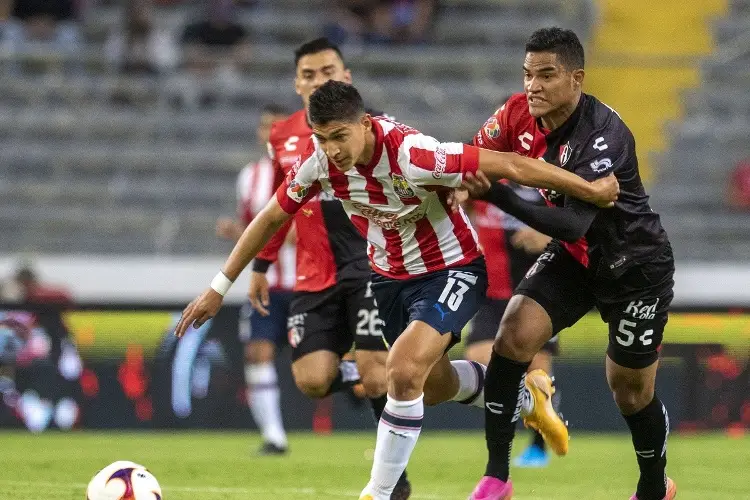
(255, 186)
(397, 201)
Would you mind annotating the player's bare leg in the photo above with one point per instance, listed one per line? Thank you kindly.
(509, 394)
(480, 351)
(320, 373)
(263, 394)
(418, 373)
(646, 416)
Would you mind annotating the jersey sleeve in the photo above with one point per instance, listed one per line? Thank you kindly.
(495, 132)
(270, 252)
(243, 214)
(430, 163)
(301, 183)
(608, 149)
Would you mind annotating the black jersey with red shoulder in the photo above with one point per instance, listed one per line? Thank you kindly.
(592, 143)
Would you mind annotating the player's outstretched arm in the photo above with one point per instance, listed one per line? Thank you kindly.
(568, 223)
(255, 236)
(536, 173)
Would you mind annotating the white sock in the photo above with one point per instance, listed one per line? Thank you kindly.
(470, 382)
(398, 431)
(264, 403)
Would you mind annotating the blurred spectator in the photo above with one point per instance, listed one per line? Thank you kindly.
(137, 47)
(739, 186)
(377, 21)
(352, 21)
(216, 42)
(46, 25)
(407, 21)
(26, 287)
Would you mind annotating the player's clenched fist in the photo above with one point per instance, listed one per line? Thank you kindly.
(199, 311)
(607, 189)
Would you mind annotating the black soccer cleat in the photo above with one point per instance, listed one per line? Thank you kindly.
(402, 491)
(271, 449)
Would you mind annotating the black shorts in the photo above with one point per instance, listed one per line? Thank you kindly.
(445, 300)
(635, 305)
(486, 323)
(334, 320)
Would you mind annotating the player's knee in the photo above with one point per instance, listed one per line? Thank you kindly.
(516, 341)
(259, 352)
(630, 394)
(404, 379)
(312, 384)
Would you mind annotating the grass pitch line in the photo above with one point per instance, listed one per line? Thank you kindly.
(218, 489)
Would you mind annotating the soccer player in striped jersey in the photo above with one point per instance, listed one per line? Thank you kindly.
(262, 335)
(429, 276)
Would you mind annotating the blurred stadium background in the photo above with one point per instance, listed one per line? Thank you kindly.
(122, 133)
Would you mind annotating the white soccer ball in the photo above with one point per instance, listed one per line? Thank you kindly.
(124, 480)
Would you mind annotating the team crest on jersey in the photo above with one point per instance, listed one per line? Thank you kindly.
(492, 128)
(565, 153)
(401, 187)
(297, 191)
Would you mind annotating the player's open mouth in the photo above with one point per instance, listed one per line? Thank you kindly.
(535, 100)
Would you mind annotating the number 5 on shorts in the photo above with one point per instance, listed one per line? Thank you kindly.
(626, 336)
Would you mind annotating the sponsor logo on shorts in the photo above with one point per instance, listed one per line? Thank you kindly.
(295, 324)
(639, 310)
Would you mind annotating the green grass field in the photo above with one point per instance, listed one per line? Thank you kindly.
(214, 466)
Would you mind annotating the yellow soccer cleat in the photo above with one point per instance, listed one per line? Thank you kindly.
(366, 497)
(543, 418)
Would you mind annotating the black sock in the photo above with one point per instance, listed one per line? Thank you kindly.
(649, 429)
(378, 405)
(345, 378)
(537, 440)
(502, 385)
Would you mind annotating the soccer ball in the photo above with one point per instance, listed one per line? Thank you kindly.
(123, 480)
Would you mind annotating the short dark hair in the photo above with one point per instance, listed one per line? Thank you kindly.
(335, 101)
(315, 46)
(274, 109)
(564, 43)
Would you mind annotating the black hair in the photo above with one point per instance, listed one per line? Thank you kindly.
(274, 109)
(564, 43)
(315, 46)
(335, 101)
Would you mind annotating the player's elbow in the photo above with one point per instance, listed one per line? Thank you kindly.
(274, 215)
(572, 233)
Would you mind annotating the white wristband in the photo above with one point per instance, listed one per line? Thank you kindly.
(221, 284)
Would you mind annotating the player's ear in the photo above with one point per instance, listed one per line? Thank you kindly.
(348, 76)
(578, 76)
(297, 88)
(366, 122)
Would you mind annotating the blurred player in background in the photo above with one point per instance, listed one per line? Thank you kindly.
(510, 248)
(619, 260)
(333, 307)
(263, 334)
(429, 275)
